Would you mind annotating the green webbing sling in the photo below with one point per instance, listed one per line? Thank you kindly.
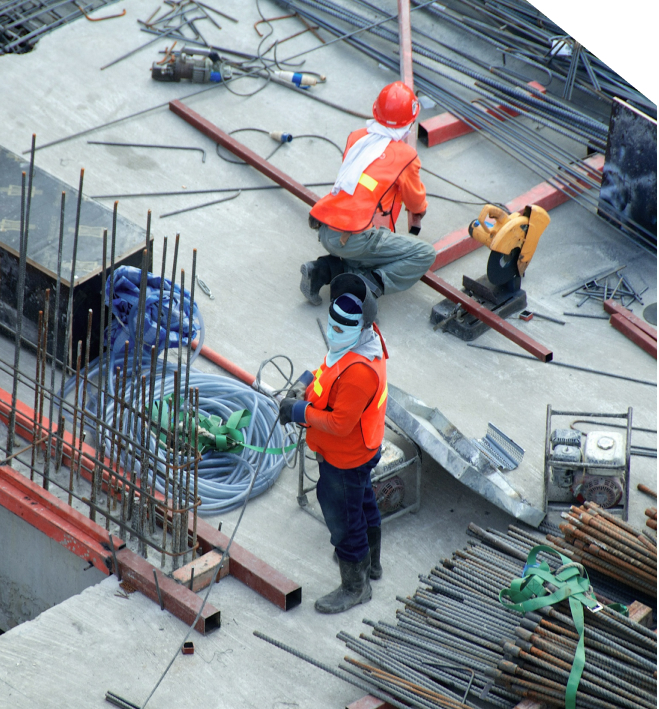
(570, 581)
(213, 433)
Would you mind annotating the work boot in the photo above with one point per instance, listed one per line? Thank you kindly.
(374, 544)
(318, 273)
(355, 587)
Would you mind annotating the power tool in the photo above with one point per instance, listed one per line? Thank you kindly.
(512, 239)
(182, 65)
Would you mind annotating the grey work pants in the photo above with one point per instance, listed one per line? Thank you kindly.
(398, 259)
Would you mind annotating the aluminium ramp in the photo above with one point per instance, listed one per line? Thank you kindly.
(440, 439)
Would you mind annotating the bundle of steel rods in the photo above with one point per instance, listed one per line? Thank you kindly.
(600, 540)
(24, 22)
(489, 103)
(123, 464)
(453, 641)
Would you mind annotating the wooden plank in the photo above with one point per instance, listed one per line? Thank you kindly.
(640, 614)
(205, 569)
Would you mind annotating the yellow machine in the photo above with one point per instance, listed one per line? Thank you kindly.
(512, 237)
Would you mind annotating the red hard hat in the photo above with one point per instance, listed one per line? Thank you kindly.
(396, 106)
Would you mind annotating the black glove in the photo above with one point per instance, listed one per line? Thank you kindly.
(214, 57)
(292, 411)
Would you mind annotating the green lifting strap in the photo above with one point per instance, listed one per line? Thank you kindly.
(570, 581)
(213, 433)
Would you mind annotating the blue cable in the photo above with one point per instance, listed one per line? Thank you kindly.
(224, 477)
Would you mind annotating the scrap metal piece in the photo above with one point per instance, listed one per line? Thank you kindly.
(502, 451)
(146, 145)
(436, 435)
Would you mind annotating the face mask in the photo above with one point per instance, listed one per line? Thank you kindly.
(340, 342)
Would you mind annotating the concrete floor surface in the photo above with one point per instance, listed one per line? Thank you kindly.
(248, 252)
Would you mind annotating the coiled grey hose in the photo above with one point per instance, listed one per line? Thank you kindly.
(224, 477)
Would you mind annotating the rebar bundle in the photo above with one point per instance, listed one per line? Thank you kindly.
(600, 540)
(454, 642)
(121, 434)
(24, 22)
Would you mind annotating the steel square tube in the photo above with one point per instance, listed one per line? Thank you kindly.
(488, 317)
(634, 333)
(226, 141)
(179, 600)
(614, 308)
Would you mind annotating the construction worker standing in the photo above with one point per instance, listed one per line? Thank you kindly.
(379, 174)
(343, 405)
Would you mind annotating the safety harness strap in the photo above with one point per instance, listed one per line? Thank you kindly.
(569, 581)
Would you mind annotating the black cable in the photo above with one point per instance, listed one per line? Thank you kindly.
(280, 145)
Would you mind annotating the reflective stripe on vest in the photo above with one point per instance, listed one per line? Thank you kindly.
(372, 420)
(354, 213)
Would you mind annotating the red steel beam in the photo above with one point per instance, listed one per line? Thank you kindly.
(488, 317)
(459, 243)
(614, 308)
(446, 126)
(249, 569)
(62, 526)
(179, 600)
(635, 334)
(245, 566)
(48, 501)
(226, 141)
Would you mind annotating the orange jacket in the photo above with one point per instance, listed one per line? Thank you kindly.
(347, 412)
(387, 183)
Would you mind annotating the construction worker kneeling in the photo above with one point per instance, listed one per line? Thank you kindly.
(357, 220)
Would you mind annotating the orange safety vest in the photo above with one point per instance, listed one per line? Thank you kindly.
(372, 420)
(354, 213)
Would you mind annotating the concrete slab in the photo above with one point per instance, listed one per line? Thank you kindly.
(249, 251)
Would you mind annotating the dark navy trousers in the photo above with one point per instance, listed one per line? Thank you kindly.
(348, 504)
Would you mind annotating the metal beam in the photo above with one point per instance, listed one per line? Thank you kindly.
(244, 565)
(179, 600)
(635, 334)
(56, 519)
(226, 141)
(614, 308)
(487, 316)
(406, 68)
